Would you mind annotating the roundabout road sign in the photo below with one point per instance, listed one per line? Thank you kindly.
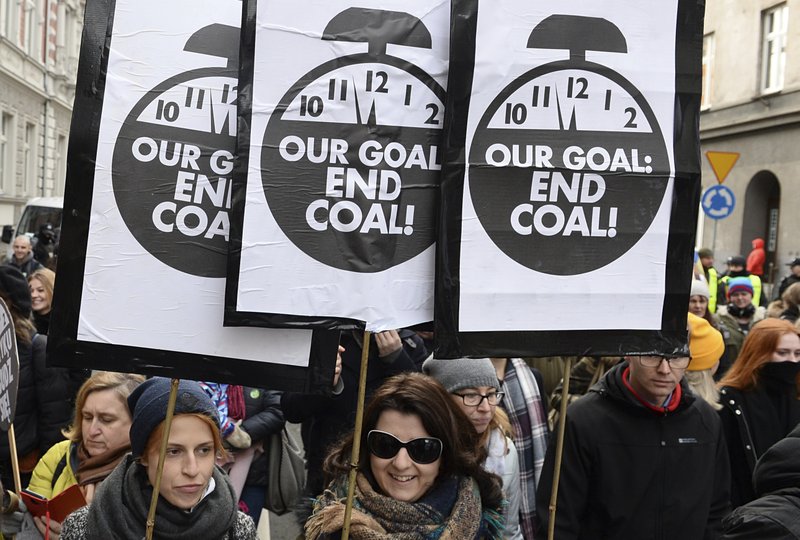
(718, 202)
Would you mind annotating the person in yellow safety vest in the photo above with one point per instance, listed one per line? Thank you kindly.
(706, 257)
(736, 269)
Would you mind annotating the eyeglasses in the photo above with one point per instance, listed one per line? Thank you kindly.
(655, 361)
(423, 450)
(474, 400)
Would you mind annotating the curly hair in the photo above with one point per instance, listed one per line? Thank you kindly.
(422, 396)
(791, 296)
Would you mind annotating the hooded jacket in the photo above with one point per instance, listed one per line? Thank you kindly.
(630, 472)
(756, 258)
(774, 515)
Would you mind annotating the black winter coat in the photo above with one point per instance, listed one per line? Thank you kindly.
(774, 515)
(45, 403)
(326, 419)
(631, 473)
(755, 419)
(263, 418)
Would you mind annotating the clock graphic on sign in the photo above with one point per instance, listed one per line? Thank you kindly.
(173, 159)
(568, 165)
(350, 162)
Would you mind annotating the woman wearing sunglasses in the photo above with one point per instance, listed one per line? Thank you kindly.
(473, 387)
(418, 473)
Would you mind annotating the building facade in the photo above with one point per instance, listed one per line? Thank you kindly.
(39, 46)
(751, 106)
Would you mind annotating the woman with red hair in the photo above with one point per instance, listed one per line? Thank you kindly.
(760, 402)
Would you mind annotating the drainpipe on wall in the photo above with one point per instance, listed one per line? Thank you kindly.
(47, 97)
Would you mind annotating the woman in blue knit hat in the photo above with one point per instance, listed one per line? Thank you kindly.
(738, 316)
(196, 499)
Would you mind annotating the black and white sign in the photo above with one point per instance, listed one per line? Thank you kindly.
(9, 368)
(345, 118)
(146, 228)
(569, 207)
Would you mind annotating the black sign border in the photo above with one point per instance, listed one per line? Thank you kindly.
(234, 317)
(671, 340)
(64, 349)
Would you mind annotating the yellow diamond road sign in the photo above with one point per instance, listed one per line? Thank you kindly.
(722, 163)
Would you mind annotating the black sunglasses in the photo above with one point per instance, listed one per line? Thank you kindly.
(423, 450)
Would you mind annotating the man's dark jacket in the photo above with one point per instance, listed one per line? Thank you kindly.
(629, 472)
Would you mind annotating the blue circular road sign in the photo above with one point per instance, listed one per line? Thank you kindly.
(718, 202)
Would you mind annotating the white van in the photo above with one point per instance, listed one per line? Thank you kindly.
(37, 212)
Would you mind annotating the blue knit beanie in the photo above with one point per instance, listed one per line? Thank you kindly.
(740, 284)
(148, 406)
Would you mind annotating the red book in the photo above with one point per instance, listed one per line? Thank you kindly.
(59, 506)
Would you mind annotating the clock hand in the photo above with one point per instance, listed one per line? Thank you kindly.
(358, 106)
(572, 121)
(371, 120)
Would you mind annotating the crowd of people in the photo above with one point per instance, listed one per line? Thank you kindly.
(697, 446)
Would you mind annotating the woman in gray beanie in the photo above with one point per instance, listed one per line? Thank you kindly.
(196, 498)
(473, 385)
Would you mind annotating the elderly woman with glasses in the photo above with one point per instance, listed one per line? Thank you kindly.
(474, 388)
(418, 475)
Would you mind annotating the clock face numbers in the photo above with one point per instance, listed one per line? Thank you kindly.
(351, 161)
(172, 168)
(568, 168)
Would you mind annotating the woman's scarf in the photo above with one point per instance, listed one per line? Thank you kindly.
(236, 406)
(122, 502)
(450, 511)
(95, 469)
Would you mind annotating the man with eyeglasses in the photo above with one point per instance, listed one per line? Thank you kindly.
(643, 458)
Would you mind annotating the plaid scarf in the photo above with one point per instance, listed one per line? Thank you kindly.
(524, 406)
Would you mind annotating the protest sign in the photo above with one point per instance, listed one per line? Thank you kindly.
(9, 368)
(146, 226)
(341, 145)
(571, 178)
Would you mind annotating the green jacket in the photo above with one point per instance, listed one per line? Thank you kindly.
(732, 333)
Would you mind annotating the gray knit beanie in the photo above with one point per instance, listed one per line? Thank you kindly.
(458, 373)
(148, 406)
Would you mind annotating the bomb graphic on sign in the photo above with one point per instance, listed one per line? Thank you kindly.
(568, 165)
(173, 160)
(350, 161)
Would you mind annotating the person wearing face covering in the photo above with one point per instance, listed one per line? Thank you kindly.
(760, 402)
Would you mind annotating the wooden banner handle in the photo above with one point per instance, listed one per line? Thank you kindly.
(151, 515)
(562, 422)
(362, 391)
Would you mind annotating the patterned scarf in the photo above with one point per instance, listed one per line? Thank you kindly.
(525, 409)
(450, 511)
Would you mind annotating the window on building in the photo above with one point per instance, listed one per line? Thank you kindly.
(32, 32)
(708, 70)
(6, 153)
(773, 47)
(29, 159)
(7, 18)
